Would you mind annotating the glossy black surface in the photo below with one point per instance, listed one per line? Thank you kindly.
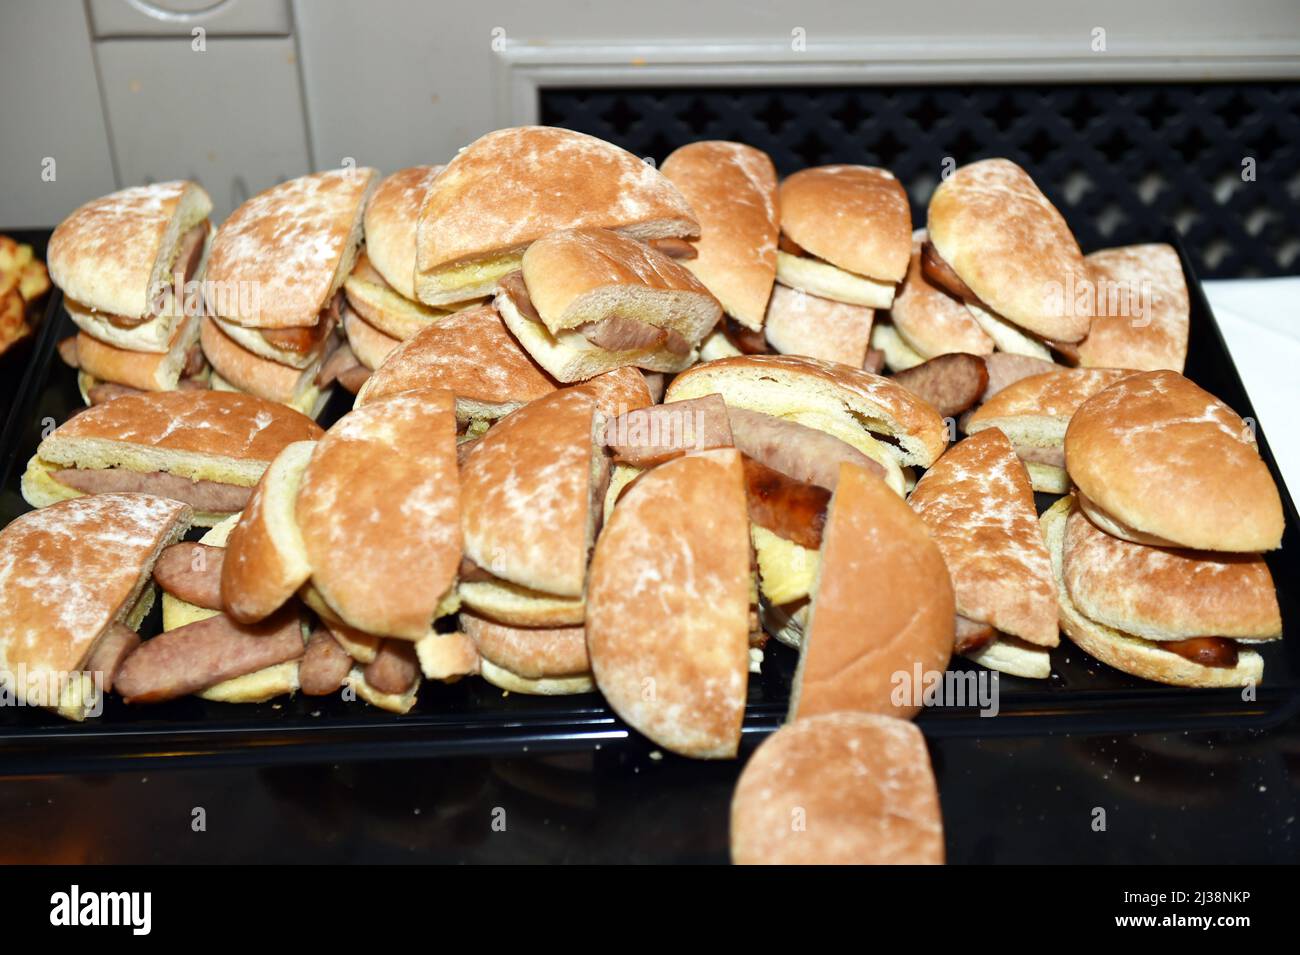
(1225, 796)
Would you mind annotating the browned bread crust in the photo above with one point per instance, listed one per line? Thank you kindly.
(732, 188)
(1169, 461)
(668, 605)
(838, 789)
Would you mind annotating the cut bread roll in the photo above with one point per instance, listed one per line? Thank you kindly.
(1006, 336)
(880, 418)
(447, 656)
(155, 336)
(211, 447)
(802, 324)
(848, 231)
(588, 301)
(931, 321)
(371, 297)
(882, 606)
(899, 355)
(295, 270)
(511, 187)
(266, 560)
(471, 354)
(1159, 460)
(531, 490)
(826, 281)
(1007, 243)
(1175, 578)
(1035, 412)
(978, 506)
(519, 606)
(145, 370)
(69, 574)
(538, 661)
(732, 189)
(378, 509)
(400, 703)
(369, 344)
(716, 345)
(390, 222)
(838, 789)
(1013, 656)
(114, 255)
(254, 341)
(1143, 315)
(235, 368)
(668, 605)
(796, 419)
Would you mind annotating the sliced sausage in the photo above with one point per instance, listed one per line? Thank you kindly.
(619, 333)
(674, 248)
(744, 340)
(107, 391)
(1207, 651)
(874, 362)
(395, 668)
(68, 351)
(797, 451)
(942, 275)
(354, 377)
(645, 437)
(517, 291)
(116, 644)
(332, 368)
(191, 572)
(194, 362)
(786, 507)
(193, 384)
(324, 665)
(1053, 456)
(209, 651)
(211, 496)
(950, 383)
(972, 635)
(131, 321)
(656, 381)
(190, 251)
(615, 333)
(471, 572)
(301, 340)
(304, 339)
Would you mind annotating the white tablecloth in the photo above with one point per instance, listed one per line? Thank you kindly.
(1260, 319)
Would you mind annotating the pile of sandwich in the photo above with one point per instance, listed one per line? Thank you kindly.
(615, 426)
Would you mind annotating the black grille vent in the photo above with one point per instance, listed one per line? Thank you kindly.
(1121, 161)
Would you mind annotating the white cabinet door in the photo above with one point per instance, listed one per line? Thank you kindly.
(53, 145)
(230, 117)
(178, 17)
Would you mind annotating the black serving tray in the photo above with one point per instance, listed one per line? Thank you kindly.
(472, 717)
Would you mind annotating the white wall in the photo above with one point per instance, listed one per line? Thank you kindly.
(395, 82)
(49, 107)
